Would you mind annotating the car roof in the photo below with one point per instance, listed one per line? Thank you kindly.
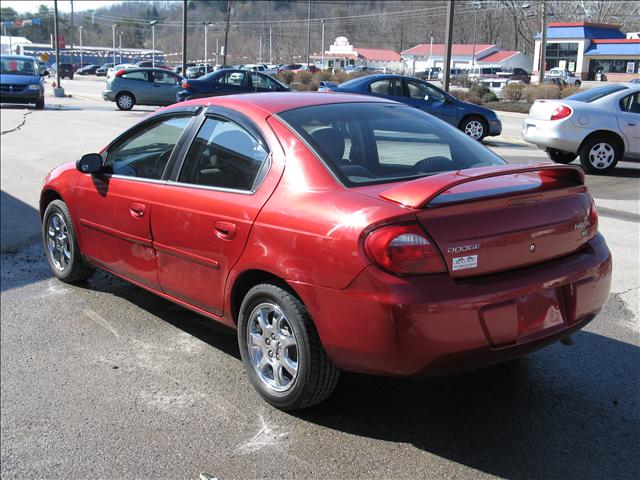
(18, 57)
(275, 102)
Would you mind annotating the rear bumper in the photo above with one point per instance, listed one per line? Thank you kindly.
(434, 325)
(559, 135)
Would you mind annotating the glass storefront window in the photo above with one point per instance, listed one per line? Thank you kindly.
(563, 55)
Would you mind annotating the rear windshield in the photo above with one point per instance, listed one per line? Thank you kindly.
(367, 143)
(596, 93)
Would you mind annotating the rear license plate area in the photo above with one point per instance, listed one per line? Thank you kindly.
(539, 311)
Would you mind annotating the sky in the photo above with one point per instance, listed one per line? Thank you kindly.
(22, 6)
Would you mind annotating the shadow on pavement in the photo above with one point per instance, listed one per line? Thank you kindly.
(20, 223)
(564, 412)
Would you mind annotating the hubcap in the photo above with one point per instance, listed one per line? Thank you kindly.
(474, 129)
(58, 242)
(273, 348)
(125, 101)
(601, 155)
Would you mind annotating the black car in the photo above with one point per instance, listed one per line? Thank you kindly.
(66, 70)
(102, 71)
(87, 70)
(228, 82)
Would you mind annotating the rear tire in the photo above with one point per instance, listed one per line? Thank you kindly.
(40, 104)
(578, 83)
(61, 245)
(125, 101)
(475, 127)
(281, 351)
(559, 156)
(600, 154)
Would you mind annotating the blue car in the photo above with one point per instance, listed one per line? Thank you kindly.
(477, 122)
(21, 80)
(228, 82)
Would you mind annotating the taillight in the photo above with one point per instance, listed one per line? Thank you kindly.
(593, 216)
(120, 73)
(561, 112)
(185, 84)
(403, 249)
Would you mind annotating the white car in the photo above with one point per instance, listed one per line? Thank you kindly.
(601, 125)
(122, 66)
(496, 85)
(565, 75)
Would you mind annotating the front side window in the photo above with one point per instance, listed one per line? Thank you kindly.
(146, 152)
(263, 82)
(366, 143)
(424, 91)
(223, 155)
(164, 78)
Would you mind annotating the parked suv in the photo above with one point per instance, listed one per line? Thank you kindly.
(66, 70)
(515, 74)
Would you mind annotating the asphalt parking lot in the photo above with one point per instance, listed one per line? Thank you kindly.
(105, 380)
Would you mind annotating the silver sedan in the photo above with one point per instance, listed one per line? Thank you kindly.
(600, 125)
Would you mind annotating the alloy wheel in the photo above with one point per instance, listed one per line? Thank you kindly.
(601, 155)
(273, 348)
(474, 129)
(58, 242)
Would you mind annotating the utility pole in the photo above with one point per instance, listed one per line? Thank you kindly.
(58, 91)
(80, 28)
(217, 50)
(120, 45)
(206, 27)
(543, 41)
(153, 42)
(73, 36)
(476, 7)
(225, 50)
(448, 39)
(113, 31)
(184, 37)
(308, 31)
(260, 54)
(270, 51)
(322, 49)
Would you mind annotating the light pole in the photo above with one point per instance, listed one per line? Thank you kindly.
(120, 45)
(322, 49)
(153, 42)
(270, 51)
(113, 30)
(80, 28)
(206, 52)
(430, 54)
(58, 91)
(476, 5)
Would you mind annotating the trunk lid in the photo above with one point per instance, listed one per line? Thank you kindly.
(543, 109)
(489, 220)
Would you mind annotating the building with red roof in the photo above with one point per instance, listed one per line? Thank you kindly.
(427, 55)
(342, 54)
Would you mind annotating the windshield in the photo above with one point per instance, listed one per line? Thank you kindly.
(367, 143)
(596, 93)
(15, 66)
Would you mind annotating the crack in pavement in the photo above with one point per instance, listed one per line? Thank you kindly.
(24, 120)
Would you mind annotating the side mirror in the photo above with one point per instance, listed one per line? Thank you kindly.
(426, 97)
(89, 163)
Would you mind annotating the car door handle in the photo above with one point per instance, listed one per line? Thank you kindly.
(225, 230)
(631, 124)
(137, 210)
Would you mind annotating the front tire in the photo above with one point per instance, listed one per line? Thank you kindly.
(559, 156)
(577, 84)
(475, 127)
(40, 104)
(61, 245)
(600, 154)
(281, 351)
(125, 101)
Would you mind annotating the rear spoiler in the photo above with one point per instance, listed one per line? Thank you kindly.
(418, 193)
(326, 86)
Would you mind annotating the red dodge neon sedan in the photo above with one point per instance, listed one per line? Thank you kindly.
(334, 232)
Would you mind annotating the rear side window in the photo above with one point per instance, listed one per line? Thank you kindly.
(631, 103)
(145, 153)
(223, 155)
(391, 87)
(139, 75)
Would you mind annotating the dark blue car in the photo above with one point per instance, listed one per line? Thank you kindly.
(228, 82)
(21, 80)
(477, 122)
